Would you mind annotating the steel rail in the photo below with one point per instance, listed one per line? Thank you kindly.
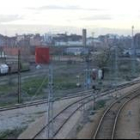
(40, 102)
(118, 114)
(71, 116)
(60, 114)
(106, 93)
(94, 135)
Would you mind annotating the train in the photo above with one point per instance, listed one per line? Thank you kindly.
(9, 68)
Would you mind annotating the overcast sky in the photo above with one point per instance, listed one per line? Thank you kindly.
(99, 16)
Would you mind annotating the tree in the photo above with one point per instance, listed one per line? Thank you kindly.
(101, 59)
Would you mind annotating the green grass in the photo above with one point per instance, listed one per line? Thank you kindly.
(6, 88)
(100, 104)
(11, 134)
(64, 86)
(36, 86)
(6, 104)
(32, 85)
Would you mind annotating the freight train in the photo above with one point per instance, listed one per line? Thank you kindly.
(13, 68)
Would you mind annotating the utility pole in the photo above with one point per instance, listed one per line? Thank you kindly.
(88, 81)
(93, 41)
(87, 68)
(19, 76)
(133, 54)
(50, 102)
(116, 65)
(111, 66)
(94, 99)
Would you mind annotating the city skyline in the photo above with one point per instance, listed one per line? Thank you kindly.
(41, 16)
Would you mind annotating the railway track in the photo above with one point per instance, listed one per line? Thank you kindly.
(68, 112)
(75, 109)
(106, 128)
(40, 102)
(84, 93)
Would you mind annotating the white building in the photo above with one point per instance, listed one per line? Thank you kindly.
(76, 50)
(95, 42)
(68, 43)
(130, 52)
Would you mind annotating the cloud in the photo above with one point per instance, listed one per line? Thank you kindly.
(67, 7)
(98, 17)
(55, 7)
(9, 18)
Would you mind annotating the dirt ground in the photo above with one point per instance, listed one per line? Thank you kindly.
(129, 123)
(89, 128)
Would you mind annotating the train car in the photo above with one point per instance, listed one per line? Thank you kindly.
(25, 66)
(13, 68)
(4, 69)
